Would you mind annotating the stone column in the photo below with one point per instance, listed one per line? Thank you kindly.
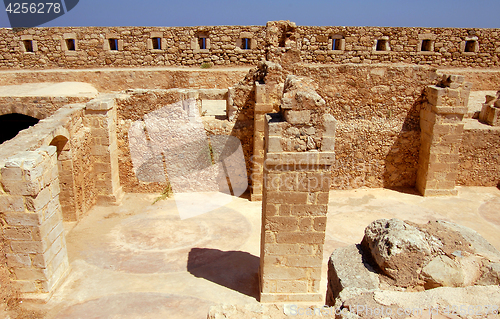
(299, 155)
(260, 110)
(100, 115)
(441, 135)
(32, 222)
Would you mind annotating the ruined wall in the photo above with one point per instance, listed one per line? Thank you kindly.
(479, 162)
(377, 111)
(137, 103)
(86, 47)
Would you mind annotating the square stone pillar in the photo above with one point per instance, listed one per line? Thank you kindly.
(299, 155)
(32, 222)
(441, 135)
(100, 115)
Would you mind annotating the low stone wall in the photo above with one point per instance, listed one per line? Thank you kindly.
(115, 80)
(479, 162)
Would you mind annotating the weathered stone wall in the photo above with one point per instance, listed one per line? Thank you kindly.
(134, 105)
(377, 111)
(359, 45)
(114, 80)
(37, 107)
(479, 162)
(225, 45)
(179, 46)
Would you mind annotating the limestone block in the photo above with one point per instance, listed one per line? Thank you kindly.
(10, 203)
(347, 269)
(100, 104)
(329, 125)
(490, 115)
(297, 117)
(328, 144)
(274, 144)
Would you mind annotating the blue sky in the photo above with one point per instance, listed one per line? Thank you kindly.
(406, 13)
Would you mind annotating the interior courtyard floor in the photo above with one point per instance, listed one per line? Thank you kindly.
(140, 260)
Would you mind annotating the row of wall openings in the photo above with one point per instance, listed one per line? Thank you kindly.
(382, 44)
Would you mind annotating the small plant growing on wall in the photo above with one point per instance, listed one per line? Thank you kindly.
(206, 65)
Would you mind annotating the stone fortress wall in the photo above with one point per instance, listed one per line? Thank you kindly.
(88, 47)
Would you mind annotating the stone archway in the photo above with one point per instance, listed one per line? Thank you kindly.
(66, 178)
(13, 123)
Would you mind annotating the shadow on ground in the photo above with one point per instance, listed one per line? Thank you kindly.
(235, 270)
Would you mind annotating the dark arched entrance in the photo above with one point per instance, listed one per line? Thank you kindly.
(11, 124)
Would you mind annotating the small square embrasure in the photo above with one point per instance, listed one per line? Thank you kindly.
(202, 42)
(336, 44)
(426, 45)
(470, 46)
(28, 45)
(245, 43)
(113, 44)
(156, 43)
(70, 44)
(382, 45)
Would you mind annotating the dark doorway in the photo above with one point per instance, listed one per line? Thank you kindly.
(11, 124)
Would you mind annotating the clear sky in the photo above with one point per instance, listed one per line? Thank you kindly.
(405, 13)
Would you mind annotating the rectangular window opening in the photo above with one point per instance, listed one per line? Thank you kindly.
(470, 46)
(336, 44)
(202, 42)
(156, 43)
(381, 45)
(113, 44)
(28, 45)
(426, 45)
(70, 44)
(245, 43)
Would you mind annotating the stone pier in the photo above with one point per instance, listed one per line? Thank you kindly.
(299, 154)
(100, 115)
(442, 129)
(32, 222)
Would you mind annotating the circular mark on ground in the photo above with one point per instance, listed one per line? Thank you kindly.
(138, 306)
(162, 233)
(491, 211)
(158, 241)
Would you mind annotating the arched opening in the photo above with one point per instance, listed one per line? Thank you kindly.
(66, 178)
(12, 124)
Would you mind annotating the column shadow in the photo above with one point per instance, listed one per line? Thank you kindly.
(236, 270)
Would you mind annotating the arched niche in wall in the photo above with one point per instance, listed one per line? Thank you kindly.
(67, 196)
